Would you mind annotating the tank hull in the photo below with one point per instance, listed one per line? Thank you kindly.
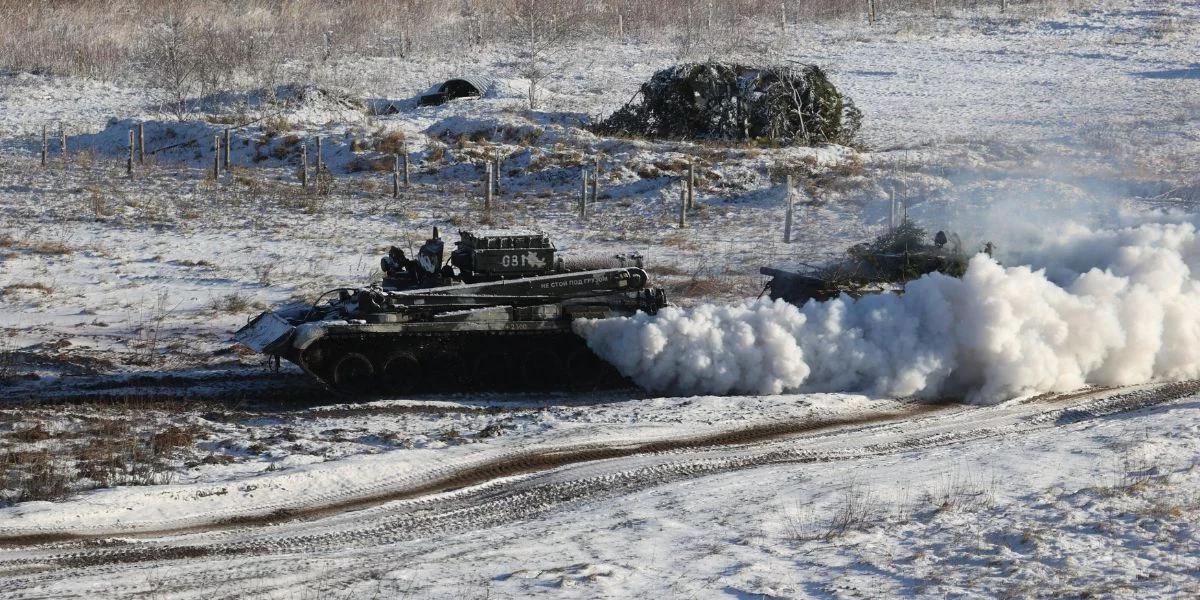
(506, 334)
(390, 359)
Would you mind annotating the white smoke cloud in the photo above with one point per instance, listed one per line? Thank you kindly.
(1107, 306)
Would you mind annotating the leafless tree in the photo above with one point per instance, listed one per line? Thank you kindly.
(170, 63)
(540, 28)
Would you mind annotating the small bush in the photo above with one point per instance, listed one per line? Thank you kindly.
(276, 125)
(390, 142)
(232, 303)
(170, 438)
(29, 435)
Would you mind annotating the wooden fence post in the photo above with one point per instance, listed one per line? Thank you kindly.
(782, 16)
(405, 150)
(129, 161)
(304, 165)
(45, 145)
(62, 142)
(596, 182)
(583, 190)
(583, 200)
(396, 176)
(691, 182)
(682, 206)
(787, 221)
(141, 143)
(320, 161)
(216, 157)
(496, 173)
(228, 139)
(870, 12)
(487, 187)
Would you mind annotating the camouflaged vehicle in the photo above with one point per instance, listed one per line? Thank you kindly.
(496, 315)
(882, 265)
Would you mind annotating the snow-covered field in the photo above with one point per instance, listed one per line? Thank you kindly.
(145, 454)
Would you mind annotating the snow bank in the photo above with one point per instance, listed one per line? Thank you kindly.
(1108, 307)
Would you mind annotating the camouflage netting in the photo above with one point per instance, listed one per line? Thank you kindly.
(787, 104)
(904, 254)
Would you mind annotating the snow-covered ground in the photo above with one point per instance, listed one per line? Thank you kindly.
(214, 477)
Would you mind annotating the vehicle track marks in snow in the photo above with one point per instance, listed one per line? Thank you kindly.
(516, 463)
(562, 478)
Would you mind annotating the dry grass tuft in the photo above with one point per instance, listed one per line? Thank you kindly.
(35, 433)
(696, 286)
(163, 442)
(231, 303)
(35, 286)
(389, 142)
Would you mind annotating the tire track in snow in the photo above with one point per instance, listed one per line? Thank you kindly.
(509, 500)
(509, 464)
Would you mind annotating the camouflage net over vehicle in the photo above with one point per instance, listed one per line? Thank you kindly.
(785, 104)
(883, 264)
(903, 254)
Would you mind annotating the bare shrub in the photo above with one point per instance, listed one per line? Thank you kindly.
(37, 475)
(35, 433)
(96, 204)
(856, 510)
(962, 492)
(146, 345)
(230, 303)
(163, 442)
(263, 273)
(696, 286)
(388, 142)
(203, 45)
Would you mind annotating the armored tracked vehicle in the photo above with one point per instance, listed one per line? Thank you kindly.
(496, 315)
(883, 265)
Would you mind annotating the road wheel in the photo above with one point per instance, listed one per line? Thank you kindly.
(400, 373)
(584, 369)
(542, 369)
(446, 371)
(353, 373)
(492, 371)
